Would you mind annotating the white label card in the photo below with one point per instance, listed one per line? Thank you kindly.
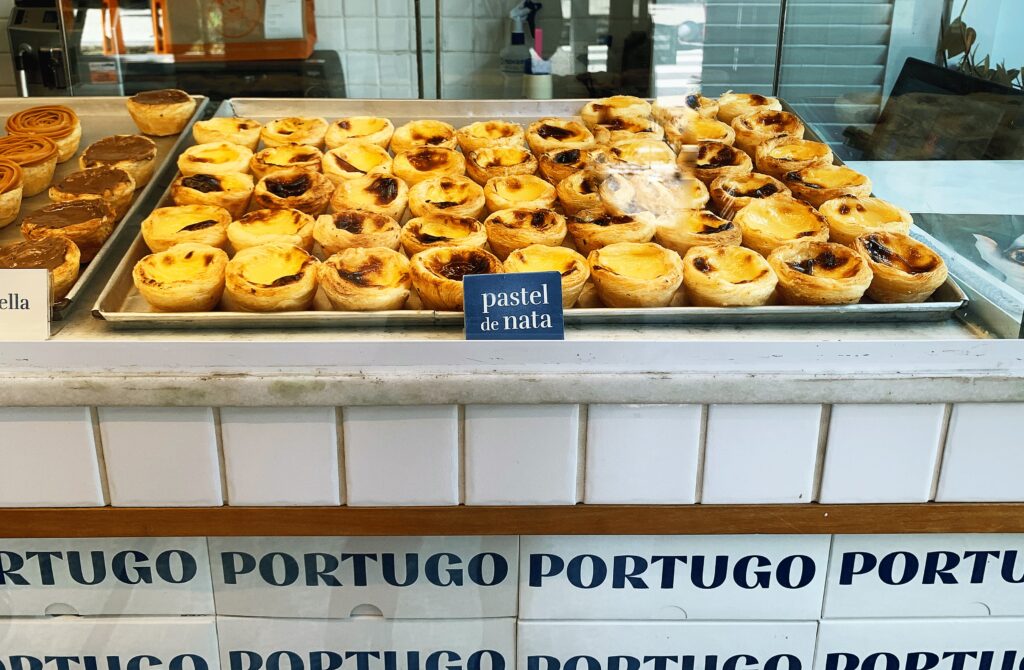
(24, 305)
(282, 20)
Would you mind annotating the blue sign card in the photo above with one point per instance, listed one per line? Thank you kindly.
(514, 306)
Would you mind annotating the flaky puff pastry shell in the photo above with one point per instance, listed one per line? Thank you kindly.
(214, 158)
(270, 278)
(604, 109)
(356, 228)
(373, 192)
(658, 194)
(758, 127)
(903, 269)
(731, 105)
(490, 133)
(717, 159)
(727, 276)
(693, 130)
(166, 227)
(233, 129)
(557, 165)
(294, 188)
(59, 255)
(518, 191)
(286, 156)
(87, 223)
(265, 226)
(731, 193)
(544, 258)
(769, 223)
(230, 191)
(297, 129)
(441, 230)
(499, 161)
(12, 183)
(667, 109)
(456, 196)
(631, 274)
(133, 153)
(595, 228)
(161, 113)
(437, 274)
(355, 159)
(362, 279)
(36, 155)
(420, 163)
(423, 133)
(187, 277)
(511, 229)
(695, 228)
(626, 128)
(819, 273)
(781, 155)
(372, 129)
(579, 191)
(820, 183)
(850, 216)
(554, 134)
(640, 154)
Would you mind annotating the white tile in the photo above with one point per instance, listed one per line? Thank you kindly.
(360, 34)
(521, 454)
(491, 9)
(394, 35)
(984, 454)
(368, 91)
(396, 69)
(330, 34)
(642, 453)
(450, 8)
(398, 92)
(881, 453)
(361, 69)
(488, 36)
(760, 453)
(402, 455)
(281, 455)
(457, 35)
(394, 8)
(49, 458)
(328, 8)
(359, 8)
(161, 456)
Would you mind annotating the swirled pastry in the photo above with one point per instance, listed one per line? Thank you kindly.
(557, 165)
(355, 159)
(37, 157)
(543, 258)
(758, 127)
(771, 222)
(717, 159)
(518, 191)
(511, 229)
(216, 158)
(631, 274)
(59, 255)
(133, 153)
(424, 133)
(415, 165)
(355, 228)
(442, 230)
(695, 228)
(727, 276)
(696, 129)
(294, 188)
(499, 161)
(625, 128)
(57, 122)
(231, 191)
(266, 226)
(372, 129)
(605, 109)
(294, 130)
(732, 193)
(820, 183)
(12, 183)
(457, 196)
(188, 277)
(553, 134)
(87, 223)
(366, 279)
(903, 269)
(201, 224)
(490, 133)
(112, 185)
(270, 278)
(731, 105)
(230, 129)
(785, 154)
(579, 191)
(819, 273)
(594, 228)
(284, 157)
(162, 112)
(849, 217)
(372, 192)
(437, 274)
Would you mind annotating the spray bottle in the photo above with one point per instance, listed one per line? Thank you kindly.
(516, 53)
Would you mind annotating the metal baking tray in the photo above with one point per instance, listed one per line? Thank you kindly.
(121, 305)
(100, 117)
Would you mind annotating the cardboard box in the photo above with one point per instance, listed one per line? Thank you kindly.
(337, 577)
(105, 576)
(673, 577)
(925, 575)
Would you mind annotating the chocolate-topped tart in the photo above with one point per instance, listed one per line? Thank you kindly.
(437, 274)
(441, 230)
(294, 188)
(421, 163)
(87, 223)
(903, 269)
(355, 228)
(717, 159)
(366, 279)
(231, 191)
(819, 273)
(499, 161)
(161, 112)
(373, 192)
(133, 153)
(265, 226)
(113, 185)
(59, 255)
(511, 229)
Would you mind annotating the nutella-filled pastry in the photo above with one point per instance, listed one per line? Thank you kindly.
(87, 223)
(201, 224)
(785, 154)
(214, 158)
(696, 129)
(717, 159)
(188, 277)
(489, 134)
(416, 165)
(231, 191)
(441, 230)
(605, 109)
(57, 122)
(579, 191)
(355, 159)
(695, 228)
(758, 127)
(437, 274)
(668, 109)
(633, 155)
(134, 153)
(162, 112)
(819, 273)
(771, 222)
(499, 161)
(12, 183)
(511, 229)
(849, 217)
(658, 194)
(272, 226)
(457, 196)
(820, 183)
(294, 130)
(626, 128)
(271, 277)
(732, 193)
(371, 129)
(355, 228)
(727, 276)
(284, 157)
(903, 269)
(59, 255)
(518, 191)
(231, 129)
(544, 258)
(366, 279)
(553, 134)
(557, 165)
(294, 188)
(635, 274)
(372, 192)
(112, 185)
(37, 157)
(595, 228)
(423, 133)
(731, 105)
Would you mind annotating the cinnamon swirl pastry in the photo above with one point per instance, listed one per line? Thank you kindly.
(579, 191)
(423, 133)
(717, 159)
(294, 130)
(355, 228)
(625, 128)
(543, 258)
(109, 184)
(732, 105)
(785, 154)
(489, 134)
(270, 278)
(456, 196)
(372, 192)
(511, 229)
(216, 158)
(133, 153)
(355, 159)
(819, 273)
(696, 228)
(59, 255)
(437, 274)
(557, 165)
(519, 191)
(771, 222)
(850, 217)
(366, 279)
(284, 157)
(201, 224)
(230, 129)
(820, 183)
(231, 191)
(499, 161)
(631, 274)
(422, 163)
(87, 223)
(727, 276)
(37, 157)
(266, 226)
(188, 277)
(294, 188)
(11, 187)
(605, 109)
(372, 129)
(57, 122)
(163, 112)
(732, 193)
(552, 134)
(594, 228)
(903, 269)
(758, 127)
(441, 230)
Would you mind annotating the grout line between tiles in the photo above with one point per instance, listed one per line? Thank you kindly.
(947, 415)
(460, 412)
(702, 446)
(339, 427)
(582, 437)
(221, 457)
(101, 459)
(819, 463)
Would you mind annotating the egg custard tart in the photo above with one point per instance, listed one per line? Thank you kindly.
(820, 183)
(758, 127)
(372, 129)
(522, 191)
(57, 122)
(12, 183)
(188, 277)
(553, 134)
(727, 276)
(632, 274)
(366, 279)
(732, 105)
(294, 130)
(658, 194)
(457, 196)
(231, 129)
(694, 130)
(544, 258)
(695, 228)
(605, 109)
(903, 269)
(87, 223)
(849, 217)
(557, 165)
(355, 228)
(717, 159)
(294, 188)
(134, 153)
(271, 277)
(111, 185)
(286, 156)
(595, 228)
(214, 158)
(490, 133)
(423, 133)
(579, 191)
(355, 159)
(732, 193)
(373, 192)
(162, 112)
(499, 161)
(231, 191)
(819, 273)
(511, 229)
(640, 154)
(625, 128)
(771, 222)
(668, 109)
(202, 224)
(37, 157)
(422, 163)
(442, 230)
(59, 255)
(785, 154)
(437, 274)
(265, 226)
